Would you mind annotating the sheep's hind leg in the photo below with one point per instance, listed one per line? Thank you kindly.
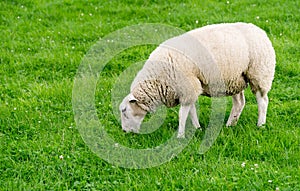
(238, 103)
(194, 117)
(183, 114)
(262, 102)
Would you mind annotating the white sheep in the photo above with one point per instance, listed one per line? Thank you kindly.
(214, 60)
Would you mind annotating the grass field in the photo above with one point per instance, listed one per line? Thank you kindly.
(42, 45)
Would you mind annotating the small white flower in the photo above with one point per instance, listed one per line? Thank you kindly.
(270, 181)
(91, 14)
(40, 20)
(73, 47)
(82, 14)
(227, 2)
(15, 108)
(280, 34)
(257, 17)
(267, 21)
(243, 164)
(61, 157)
(256, 165)
(197, 21)
(18, 17)
(39, 121)
(277, 189)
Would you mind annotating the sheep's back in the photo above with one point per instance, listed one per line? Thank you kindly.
(214, 54)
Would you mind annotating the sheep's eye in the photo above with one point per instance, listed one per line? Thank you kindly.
(123, 110)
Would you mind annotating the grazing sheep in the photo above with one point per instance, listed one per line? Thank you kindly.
(214, 60)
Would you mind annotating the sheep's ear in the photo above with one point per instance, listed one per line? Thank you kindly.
(132, 99)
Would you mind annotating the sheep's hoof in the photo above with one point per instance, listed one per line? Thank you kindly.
(180, 136)
(196, 125)
(261, 126)
(261, 122)
(231, 123)
(199, 127)
(228, 125)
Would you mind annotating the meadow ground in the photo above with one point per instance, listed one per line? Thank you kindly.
(42, 45)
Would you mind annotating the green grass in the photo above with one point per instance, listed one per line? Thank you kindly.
(42, 45)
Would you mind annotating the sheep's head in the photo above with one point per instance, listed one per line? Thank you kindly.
(131, 114)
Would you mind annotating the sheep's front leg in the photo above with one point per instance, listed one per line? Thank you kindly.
(183, 114)
(194, 117)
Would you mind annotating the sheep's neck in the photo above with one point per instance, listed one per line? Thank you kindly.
(153, 93)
